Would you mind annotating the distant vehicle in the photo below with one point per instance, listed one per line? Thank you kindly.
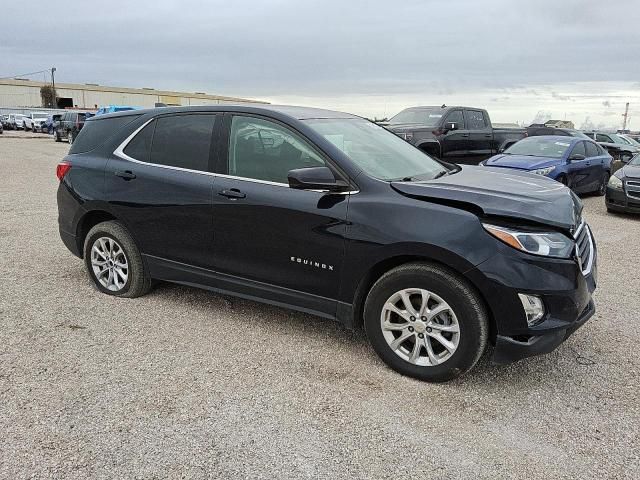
(16, 120)
(114, 109)
(70, 125)
(34, 121)
(629, 139)
(582, 165)
(536, 131)
(49, 124)
(4, 121)
(454, 134)
(619, 148)
(623, 190)
(1, 127)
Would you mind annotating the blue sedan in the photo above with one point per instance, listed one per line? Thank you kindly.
(581, 164)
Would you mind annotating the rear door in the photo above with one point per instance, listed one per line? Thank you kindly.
(480, 135)
(280, 243)
(599, 159)
(160, 182)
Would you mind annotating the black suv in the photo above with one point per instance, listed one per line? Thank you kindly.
(69, 125)
(333, 215)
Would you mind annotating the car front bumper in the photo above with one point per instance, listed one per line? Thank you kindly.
(620, 201)
(564, 289)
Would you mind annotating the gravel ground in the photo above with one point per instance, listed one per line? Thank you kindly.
(162, 387)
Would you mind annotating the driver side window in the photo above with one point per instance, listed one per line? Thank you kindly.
(456, 116)
(264, 150)
(579, 149)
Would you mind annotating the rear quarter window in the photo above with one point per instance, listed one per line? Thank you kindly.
(96, 132)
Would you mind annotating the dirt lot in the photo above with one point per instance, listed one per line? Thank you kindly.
(184, 383)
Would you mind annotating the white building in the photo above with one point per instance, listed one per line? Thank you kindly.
(22, 93)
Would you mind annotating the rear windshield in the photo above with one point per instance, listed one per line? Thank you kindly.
(96, 132)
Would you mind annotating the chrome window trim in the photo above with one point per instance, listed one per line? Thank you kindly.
(589, 266)
(119, 152)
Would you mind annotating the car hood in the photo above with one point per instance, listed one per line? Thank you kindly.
(504, 193)
(631, 171)
(523, 162)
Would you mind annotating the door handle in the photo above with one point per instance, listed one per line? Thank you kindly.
(126, 174)
(465, 135)
(232, 193)
(488, 135)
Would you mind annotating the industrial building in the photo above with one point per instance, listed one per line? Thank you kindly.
(23, 93)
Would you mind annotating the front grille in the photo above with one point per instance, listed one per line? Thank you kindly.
(633, 188)
(584, 247)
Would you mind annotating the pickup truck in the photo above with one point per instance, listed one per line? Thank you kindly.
(454, 134)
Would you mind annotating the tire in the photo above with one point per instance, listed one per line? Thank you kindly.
(445, 288)
(70, 138)
(57, 136)
(138, 281)
(602, 189)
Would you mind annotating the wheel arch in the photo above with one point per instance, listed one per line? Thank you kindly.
(377, 270)
(431, 148)
(89, 220)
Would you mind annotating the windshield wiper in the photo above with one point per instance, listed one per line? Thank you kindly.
(442, 174)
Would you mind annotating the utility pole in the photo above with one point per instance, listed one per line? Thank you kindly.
(53, 87)
(626, 117)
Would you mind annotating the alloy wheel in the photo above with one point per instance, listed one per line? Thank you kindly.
(420, 327)
(109, 264)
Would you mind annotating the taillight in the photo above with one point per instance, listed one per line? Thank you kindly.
(62, 169)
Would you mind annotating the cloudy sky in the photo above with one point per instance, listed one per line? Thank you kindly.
(574, 59)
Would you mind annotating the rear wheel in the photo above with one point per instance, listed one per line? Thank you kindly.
(114, 262)
(602, 189)
(57, 136)
(70, 138)
(426, 322)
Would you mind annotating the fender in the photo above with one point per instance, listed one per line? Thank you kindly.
(431, 146)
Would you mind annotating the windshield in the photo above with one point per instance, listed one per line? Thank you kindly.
(376, 150)
(539, 147)
(424, 116)
(630, 140)
(619, 139)
(635, 161)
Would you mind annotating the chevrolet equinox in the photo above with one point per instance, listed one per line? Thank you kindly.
(330, 214)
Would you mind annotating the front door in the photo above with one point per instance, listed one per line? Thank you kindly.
(580, 172)
(287, 244)
(480, 135)
(455, 143)
(160, 185)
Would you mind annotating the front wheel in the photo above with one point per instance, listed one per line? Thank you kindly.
(114, 262)
(426, 322)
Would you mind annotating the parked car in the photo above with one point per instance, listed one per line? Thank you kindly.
(580, 164)
(619, 148)
(70, 125)
(455, 134)
(1, 128)
(623, 190)
(34, 121)
(536, 131)
(114, 109)
(4, 121)
(436, 261)
(16, 120)
(50, 123)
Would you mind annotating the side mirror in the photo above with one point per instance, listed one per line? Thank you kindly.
(576, 156)
(451, 126)
(315, 178)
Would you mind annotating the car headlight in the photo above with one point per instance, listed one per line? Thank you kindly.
(615, 183)
(543, 171)
(549, 244)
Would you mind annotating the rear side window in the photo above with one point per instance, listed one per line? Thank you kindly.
(475, 120)
(139, 148)
(96, 132)
(593, 150)
(183, 141)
